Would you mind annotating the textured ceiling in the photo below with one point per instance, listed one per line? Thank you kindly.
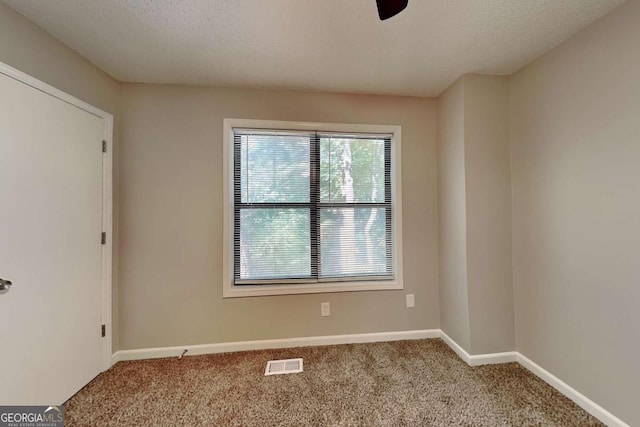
(328, 45)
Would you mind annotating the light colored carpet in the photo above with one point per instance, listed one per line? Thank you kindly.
(405, 383)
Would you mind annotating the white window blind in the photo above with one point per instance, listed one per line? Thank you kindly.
(311, 206)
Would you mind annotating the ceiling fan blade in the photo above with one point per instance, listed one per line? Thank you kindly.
(389, 8)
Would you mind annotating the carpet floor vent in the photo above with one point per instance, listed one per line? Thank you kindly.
(288, 366)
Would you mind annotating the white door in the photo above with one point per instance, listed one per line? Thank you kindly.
(50, 249)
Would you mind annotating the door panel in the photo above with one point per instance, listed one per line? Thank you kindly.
(50, 224)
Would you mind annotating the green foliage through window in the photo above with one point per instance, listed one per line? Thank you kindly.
(311, 206)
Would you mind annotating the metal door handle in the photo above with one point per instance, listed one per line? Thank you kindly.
(5, 285)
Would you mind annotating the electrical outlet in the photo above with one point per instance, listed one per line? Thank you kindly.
(325, 309)
(411, 301)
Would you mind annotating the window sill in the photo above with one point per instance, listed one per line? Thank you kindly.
(231, 291)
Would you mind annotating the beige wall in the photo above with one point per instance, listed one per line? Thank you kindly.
(474, 206)
(575, 135)
(488, 211)
(454, 296)
(171, 219)
(28, 48)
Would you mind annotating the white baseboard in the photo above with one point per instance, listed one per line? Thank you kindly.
(581, 400)
(479, 359)
(192, 350)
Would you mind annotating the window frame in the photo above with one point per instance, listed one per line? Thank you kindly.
(230, 290)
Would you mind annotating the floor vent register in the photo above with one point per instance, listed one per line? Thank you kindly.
(287, 366)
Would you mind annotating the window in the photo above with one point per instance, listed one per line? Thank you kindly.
(311, 208)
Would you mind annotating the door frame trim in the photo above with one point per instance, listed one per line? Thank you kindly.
(107, 197)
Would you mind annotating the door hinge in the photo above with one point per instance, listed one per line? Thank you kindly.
(104, 146)
(103, 238)
(103, 329)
